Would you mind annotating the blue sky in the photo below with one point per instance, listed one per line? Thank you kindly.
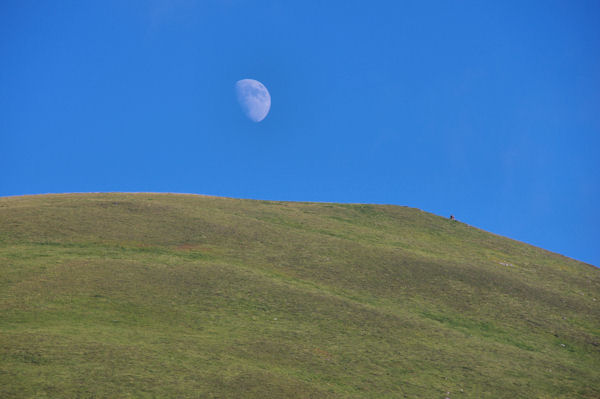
(486, 110)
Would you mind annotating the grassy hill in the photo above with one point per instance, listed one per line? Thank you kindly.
(161, 295)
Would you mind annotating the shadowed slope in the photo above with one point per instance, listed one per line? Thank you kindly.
(110, 295)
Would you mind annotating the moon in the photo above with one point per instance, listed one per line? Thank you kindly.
(254, 98)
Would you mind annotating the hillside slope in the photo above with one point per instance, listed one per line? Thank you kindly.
(162, 295)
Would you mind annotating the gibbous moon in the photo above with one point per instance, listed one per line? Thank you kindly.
(254, 98)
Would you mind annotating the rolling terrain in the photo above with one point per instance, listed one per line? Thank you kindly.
(187, 296)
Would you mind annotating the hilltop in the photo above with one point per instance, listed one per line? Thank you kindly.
(188, 296)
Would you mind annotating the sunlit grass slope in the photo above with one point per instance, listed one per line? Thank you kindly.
(185, 296)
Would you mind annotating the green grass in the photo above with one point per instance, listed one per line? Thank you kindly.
(162, 295)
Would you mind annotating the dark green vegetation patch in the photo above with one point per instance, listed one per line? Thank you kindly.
(157, 295)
